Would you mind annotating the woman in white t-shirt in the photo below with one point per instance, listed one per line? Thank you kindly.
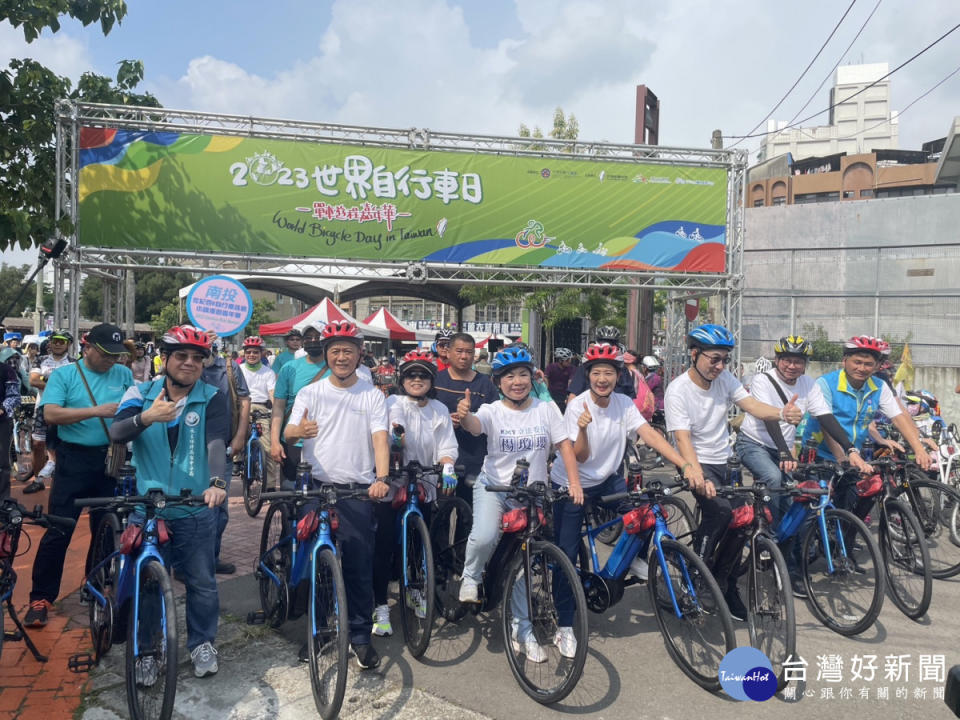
(420, 428)
(598, 422)
(517, 427)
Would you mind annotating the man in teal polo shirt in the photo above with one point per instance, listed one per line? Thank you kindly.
(294, 340)
(291, 379)
(82, 412)
(177, 424)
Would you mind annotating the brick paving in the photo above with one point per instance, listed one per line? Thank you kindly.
(40, 691)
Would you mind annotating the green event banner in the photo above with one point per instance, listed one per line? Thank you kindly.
(215, 193)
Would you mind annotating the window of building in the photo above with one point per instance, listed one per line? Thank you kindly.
(780, 200)
(848, 194)
(279, 299)
(866, 193)
(758, 203)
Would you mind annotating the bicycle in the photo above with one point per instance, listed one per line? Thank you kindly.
(23, 431)
(691, 613)
(844, 587)
(254, 469)
(130, 596)
(13, 516)
(529, 606)
(297, 545)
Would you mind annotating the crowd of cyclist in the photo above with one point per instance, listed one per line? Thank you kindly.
(186, 415)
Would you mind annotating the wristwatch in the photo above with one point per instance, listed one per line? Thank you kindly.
(383, 479)
(218, 482)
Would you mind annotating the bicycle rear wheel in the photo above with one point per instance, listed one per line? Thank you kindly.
(938, 510)
(771, 616)
(698, 632)
(106, 540)
(449, 529)
(328, 635)
(417, 590)
(151, 659)
(278, 558)
(253, 480)
(906, 559)
(847, 600)
(546, 665)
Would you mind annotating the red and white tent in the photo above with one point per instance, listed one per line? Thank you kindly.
(385, 320)
(322, 313)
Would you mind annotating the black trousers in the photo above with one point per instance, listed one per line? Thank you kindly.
(6, 440)
(79, 473)
(357, 536)
(715, 515)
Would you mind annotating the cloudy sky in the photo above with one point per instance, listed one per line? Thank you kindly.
(485, 66)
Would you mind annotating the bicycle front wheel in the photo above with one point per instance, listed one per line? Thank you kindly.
(277, 557)
(848, 599)
(545, 634)
(691, 612)
(771, 616)
(103, 578)
(938, 510)
(417, 586)
(253, 480)
(151, 660)
(328, 635)
(906, 559)
(449, 529)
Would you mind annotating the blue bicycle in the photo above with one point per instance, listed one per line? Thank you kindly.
(691, 613)
(254, 474)
(130, 595)
(297, 546)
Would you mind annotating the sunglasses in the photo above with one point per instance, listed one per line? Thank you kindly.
(416, 376)
(183, 356)
(717, 359)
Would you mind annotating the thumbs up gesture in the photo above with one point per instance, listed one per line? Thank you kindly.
(162, 410)
(308, 427)
(463, 407)
(791, 413)
(585, 418)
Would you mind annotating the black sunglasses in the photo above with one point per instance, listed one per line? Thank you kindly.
(416, 376)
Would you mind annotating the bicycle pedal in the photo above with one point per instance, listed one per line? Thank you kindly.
(81, 663)
(256, 617)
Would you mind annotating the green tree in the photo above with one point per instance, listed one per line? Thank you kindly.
(28, 95)
(564, 128)
(261, 314)
(824, 349)
(166, 317)
(11, 280)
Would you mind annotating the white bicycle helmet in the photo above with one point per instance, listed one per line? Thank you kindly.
(650, 362)
(762, 365)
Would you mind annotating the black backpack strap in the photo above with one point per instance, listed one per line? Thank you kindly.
(776, 386)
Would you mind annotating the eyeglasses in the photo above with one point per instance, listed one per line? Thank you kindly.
(182, 356)
(416, 376)
(717, 359)
(792, 360)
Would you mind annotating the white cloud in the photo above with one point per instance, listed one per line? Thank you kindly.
(65, 55)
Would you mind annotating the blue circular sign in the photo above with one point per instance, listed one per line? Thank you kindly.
(747, 674)
(221, 304)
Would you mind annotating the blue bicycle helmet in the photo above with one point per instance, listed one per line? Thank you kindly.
(710, 336)
(510, 358)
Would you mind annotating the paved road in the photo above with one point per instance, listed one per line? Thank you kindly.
(628, 672)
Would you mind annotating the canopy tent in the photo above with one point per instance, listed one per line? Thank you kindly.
(385, 320)
(321, 313)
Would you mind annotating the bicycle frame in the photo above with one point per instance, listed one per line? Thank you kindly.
(412, 507)
(791, 525)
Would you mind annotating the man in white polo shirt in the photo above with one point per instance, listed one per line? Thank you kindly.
(261, 381)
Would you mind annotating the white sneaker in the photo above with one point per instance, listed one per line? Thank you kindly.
(381, 621)
(204, 658)
(639, 568)
(417, 603)
(468, 592)
(566, 641)
(146, 671)
(47, 471)
(531, 648)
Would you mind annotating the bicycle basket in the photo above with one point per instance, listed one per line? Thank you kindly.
(742, 516)
(807, 485)
(639, 519)
(868, 487)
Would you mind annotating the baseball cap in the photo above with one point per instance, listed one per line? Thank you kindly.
(107, 338)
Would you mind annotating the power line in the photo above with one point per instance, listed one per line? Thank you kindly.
(850, 97)
(839, 60)
(805, 70)
(910, 105)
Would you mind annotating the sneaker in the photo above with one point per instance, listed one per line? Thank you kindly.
(367, 657)
(566, 641)
(37, 614)
(381, 621)
(796, 584)
(34, 487)
(639, 568)
(147, 671)
(738, 611)
(417, 603)
(469, 592)
(204, 658)
(531, 648)
(47, 471)
(225, 568)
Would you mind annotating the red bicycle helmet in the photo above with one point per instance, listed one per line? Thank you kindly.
(186, 336)
(422, 359)
(342, 330)
(602, 352)
(877, 347)
(253, 341)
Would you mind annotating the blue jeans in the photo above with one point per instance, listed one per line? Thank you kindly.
(190, 553)
(764, 464)
(485, 531)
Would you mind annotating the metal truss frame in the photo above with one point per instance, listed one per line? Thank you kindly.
(116, 262)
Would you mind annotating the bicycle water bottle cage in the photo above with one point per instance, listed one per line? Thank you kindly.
(807, 485)
(399, 497)
(514, 520)
(307, 525)
(742, 516)
(868, 487)
(638, 520)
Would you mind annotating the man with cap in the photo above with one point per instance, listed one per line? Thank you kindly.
(45, 436)
(81, 399)
(13, 339)
(294, 339)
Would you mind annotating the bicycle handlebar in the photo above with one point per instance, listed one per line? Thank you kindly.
(331, 493)
(155, 498)
(11, 507)
(651, 490)
(536, 489)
